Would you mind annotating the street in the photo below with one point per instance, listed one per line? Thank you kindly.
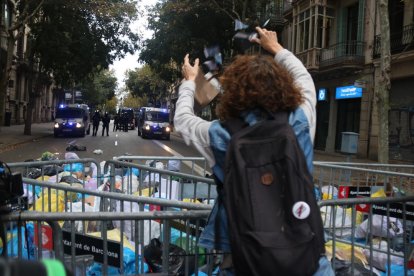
(116, 144)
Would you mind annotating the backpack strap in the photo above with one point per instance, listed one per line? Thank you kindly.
(233, 125)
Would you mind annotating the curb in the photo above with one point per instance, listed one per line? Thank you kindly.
(7, 147)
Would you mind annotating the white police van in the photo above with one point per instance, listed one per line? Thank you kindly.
(154, 122)
(72, 119)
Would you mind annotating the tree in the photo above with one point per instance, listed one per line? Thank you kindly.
(384, 84)
(73, 41)
(133, 102)
(182, 27)
(145, 82)
(187, 26)
(110, 105)
(100, 89)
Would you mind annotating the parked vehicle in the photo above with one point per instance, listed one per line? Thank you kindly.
(72, 119)
(154, 122)
(129, 112)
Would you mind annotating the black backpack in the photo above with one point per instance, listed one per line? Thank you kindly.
(275, 225)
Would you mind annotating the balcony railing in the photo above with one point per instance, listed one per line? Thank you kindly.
(349, 53)
(287, 5)
(310, 58)
(399, 41)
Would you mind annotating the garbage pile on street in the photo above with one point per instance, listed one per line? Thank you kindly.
(372, 236)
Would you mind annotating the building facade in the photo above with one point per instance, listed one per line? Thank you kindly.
(339, 42)
(17, 95)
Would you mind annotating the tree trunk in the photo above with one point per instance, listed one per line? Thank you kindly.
(384, 85)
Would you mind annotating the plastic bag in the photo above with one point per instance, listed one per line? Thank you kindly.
(344, 252)
(380, 227)
(344, 268)
(77, 207)
(343, 220)
(176, 260)
(129, 226)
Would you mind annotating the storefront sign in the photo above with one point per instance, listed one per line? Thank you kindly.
(355, 192)
(348, 92)
(395, 210)
(322, 94)
(87, 245)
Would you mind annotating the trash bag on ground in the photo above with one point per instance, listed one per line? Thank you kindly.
(381, 227)
(343, 220)
(33, 173)
(128, 257)
(76, 148)
(176, 260)
(77, 207)
(11, 236)
(129, 226)
(51, 170)
(48, 156)
(70, 179)
(345, 252)
(345, 268)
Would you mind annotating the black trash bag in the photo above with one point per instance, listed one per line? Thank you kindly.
(343, 268)
(70, 179)
(176, 260)
(76, 148)
(51, 170)
(33, 173)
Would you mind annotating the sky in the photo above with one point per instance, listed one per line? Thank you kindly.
(131, 61)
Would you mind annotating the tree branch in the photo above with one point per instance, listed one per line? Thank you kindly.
(26, 16)
(226, 12)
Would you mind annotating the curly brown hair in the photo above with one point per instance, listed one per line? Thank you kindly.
(256, 81)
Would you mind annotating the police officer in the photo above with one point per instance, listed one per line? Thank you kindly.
(96, 118)
(105, 124)
(125, 121)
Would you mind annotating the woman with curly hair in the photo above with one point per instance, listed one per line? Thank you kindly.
(253, 86)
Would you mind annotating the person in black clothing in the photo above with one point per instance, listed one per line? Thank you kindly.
(124, 119)
(96, 118)
(116, 122)
(105, 124)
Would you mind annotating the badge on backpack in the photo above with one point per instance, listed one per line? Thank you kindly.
(301, 210)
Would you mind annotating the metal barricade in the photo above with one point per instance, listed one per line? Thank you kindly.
(400, 168)
(114, 254)
(340, 181)
(49, 170)
(194, 165)
(133, 178)
(370, 236)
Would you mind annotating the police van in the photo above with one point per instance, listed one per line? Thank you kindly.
(72, 119)
(154, 122)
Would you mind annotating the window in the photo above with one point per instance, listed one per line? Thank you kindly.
(313, 27)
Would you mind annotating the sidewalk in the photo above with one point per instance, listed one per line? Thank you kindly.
(13, 135)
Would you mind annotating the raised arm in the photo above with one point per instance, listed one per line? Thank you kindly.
(193, 129)
(268, 40)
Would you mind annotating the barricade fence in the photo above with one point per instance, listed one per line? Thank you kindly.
(85, 172)
(158, 182)
(108, 252)
(400, 168)
(368, 217)
(340, 181)
(194, 165)
(370, 236)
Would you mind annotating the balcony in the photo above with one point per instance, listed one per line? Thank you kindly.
(310, 58)
(399, 41)
(349, 54)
